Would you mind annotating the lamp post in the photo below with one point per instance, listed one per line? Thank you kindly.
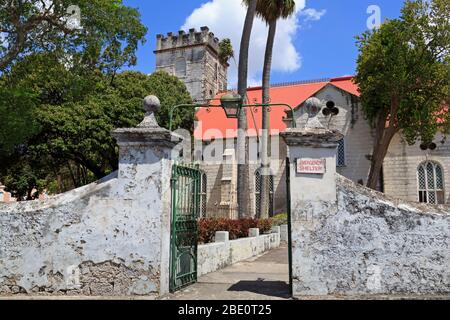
(232, 105)
(232, 108)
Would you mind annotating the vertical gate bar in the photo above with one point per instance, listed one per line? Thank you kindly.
(173, 259)
(197, 215)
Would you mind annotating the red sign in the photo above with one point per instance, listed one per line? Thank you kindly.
(311, 166)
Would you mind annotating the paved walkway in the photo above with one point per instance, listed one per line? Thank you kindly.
(261, 278)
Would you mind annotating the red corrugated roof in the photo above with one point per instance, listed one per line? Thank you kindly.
(212, 123)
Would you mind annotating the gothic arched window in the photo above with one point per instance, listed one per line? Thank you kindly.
(258, 185)
(203, 194)
(430, 178)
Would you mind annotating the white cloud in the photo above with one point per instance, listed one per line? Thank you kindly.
(312, 14)
(226, 19)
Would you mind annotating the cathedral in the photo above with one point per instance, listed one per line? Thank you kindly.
(408, 172)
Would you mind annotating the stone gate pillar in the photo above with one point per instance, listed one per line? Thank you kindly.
(144, 176)
(312, 154)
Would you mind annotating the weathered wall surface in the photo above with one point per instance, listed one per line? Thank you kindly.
(215, 256)
(97, 240)
(110, 238)
(369, 244)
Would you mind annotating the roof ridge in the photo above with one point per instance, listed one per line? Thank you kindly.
(293, 83)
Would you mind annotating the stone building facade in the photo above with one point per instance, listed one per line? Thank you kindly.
(409, 173)
(194, 58)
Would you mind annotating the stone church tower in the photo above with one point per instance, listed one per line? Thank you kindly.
(194, 58)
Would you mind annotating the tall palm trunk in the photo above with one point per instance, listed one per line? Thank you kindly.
(243, 183)
(265, 139)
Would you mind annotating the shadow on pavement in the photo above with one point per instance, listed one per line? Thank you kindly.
(279, 289)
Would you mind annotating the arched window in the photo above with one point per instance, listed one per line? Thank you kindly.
(180, 67)
(203, 193)
(258, 185)
(341, 159)
(430, 178)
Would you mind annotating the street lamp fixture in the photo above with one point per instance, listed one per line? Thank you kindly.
(231, 104)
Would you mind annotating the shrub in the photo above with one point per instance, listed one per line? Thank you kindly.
(207, 228)
(280, 219)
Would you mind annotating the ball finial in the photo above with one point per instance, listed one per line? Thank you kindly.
(151, 104)
(313, 105)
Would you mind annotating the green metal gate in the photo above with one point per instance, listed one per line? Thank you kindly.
(184, 233)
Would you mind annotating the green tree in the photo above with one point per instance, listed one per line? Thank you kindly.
(16, 121)
(75, 113)
(403, 73)
(171, 92)
(270, 11)
(102, 33)
(105, 40)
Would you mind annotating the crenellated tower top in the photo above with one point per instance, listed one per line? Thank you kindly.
(183, 39)
(193, 57)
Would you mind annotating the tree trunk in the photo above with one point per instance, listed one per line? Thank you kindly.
(383, 138)
(243, 183)
(265, 153)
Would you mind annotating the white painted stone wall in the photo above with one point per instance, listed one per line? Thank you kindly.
(348, 240)
(369, 244)
(215, 256)
(110, 238)
(93, 241)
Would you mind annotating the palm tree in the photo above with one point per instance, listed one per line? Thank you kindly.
(270, 11)
(243, 182)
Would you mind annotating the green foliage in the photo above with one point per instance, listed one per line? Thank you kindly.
(225, 51)
(171, 92)
(403, 70)
(280, 219)
(237, 229)
(75, 112)
(61, 94)
(270, 10)
(16, 121)
(107, 37)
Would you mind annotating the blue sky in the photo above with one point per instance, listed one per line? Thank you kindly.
(317, 43)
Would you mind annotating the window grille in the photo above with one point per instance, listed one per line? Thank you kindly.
(341, 161)
(258, 185)
(431, 183)
(203, 195)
